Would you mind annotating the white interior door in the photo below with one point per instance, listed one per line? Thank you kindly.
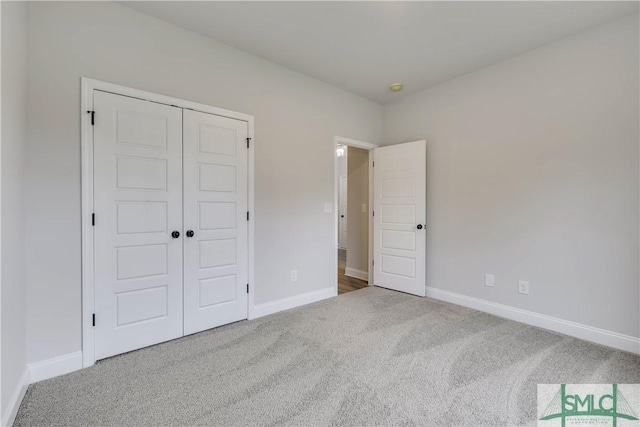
(400, 207)
(137, 205)
(215, 211)
(342, 241)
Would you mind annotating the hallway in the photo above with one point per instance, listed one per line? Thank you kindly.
(346, 283)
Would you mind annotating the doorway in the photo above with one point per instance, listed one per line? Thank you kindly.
(397, 193)
(353, 178)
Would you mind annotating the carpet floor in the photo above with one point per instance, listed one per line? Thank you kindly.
(368, 357)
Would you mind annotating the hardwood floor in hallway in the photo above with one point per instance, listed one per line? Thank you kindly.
(346, 283)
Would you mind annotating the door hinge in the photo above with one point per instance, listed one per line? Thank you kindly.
(247, 215)
(93, 219)
(94, 319)
(247, 288)
(93, 117)
(248, 142)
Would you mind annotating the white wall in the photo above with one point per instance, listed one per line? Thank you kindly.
(296, 118)
(358, 221)
(13, 334)
(532, 174)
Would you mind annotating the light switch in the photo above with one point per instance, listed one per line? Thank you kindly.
(328, 207)
(364, 208)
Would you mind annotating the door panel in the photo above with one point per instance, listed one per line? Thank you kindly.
(137, 202)
(400, 198)
(215, 209)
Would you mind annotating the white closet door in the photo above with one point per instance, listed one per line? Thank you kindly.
(215, 221)
(400, 206)
(137, 205)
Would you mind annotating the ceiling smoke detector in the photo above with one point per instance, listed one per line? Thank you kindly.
(396, 87)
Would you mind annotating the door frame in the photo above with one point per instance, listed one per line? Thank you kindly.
(340, 140)
(88, 86)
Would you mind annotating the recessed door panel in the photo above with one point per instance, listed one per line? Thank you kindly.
(137, 203)
(217, 140)
(133, 262)
(398, 214)
(141, 173)
(217, 215)
(398, 266)
(215, 209)
(396, 239)
(217, 178)
(133, 127)
(141, 217)
(217, 253)
(141, 305)
(398, 187)
(400, 196)
(217, 290)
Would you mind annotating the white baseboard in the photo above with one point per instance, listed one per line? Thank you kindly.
(577, 330)
(358, 274)
(292, 302)
(16, 399)
(39, 371)
(54, 367)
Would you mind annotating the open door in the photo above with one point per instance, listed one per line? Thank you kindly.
(400, 208)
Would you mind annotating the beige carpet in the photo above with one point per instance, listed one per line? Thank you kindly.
(368, 357)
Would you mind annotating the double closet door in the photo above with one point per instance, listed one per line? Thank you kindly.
(170, 232)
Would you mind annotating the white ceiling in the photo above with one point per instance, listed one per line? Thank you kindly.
(365, 46)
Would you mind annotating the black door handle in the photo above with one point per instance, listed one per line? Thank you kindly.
(419, 226)
(175, 234)
(190, 233)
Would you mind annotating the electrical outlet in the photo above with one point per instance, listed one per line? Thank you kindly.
(364, 208)
(489, 280)
(328, 207)
(294, 275)
(523, 287)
